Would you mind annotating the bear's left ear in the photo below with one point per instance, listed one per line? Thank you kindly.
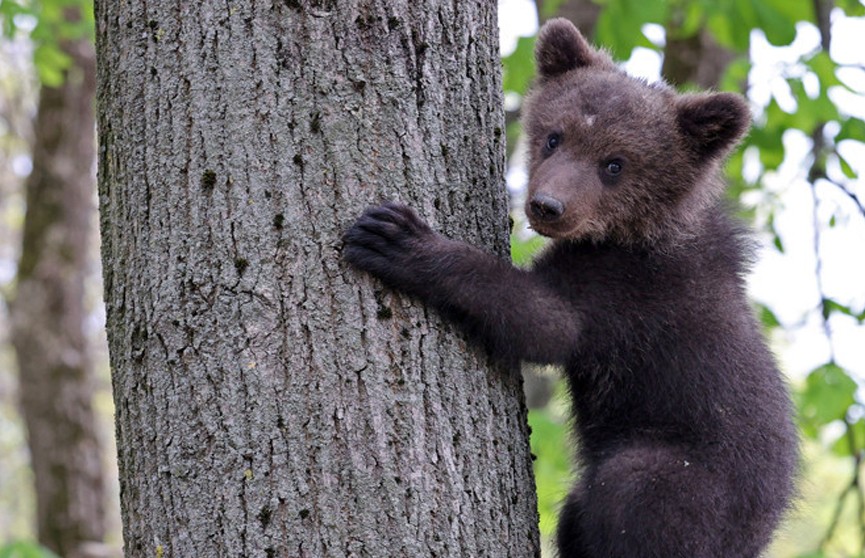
(712, 123)
(561, 48)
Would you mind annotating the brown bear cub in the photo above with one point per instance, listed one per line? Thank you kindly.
(686, 443)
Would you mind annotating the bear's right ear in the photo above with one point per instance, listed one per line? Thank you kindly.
(561, 48)
(712, 123)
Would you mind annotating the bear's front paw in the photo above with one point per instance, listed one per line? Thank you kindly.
(385, 239)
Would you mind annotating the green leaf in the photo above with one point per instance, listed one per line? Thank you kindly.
(519, 66)
(776, 241)
(828, 394)
(9, 9)
(846, 168)
(810, 112)
(768, 318)
(852, 8)
(822, 65)
(620, 25)
(830, 306)
(731, 25)
(733, 169)
(53, 25)
(779, 27)
(693, 20)
(854, 433)
(792, 11)
(852, 129)
(736, 75)
(768, 138)
(51, 63)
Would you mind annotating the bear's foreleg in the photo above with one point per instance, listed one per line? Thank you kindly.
(512, 311)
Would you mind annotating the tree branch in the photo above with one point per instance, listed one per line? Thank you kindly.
(854, 486)
(816, 172)
(851, 195)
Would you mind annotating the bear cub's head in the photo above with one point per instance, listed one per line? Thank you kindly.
(612, 157)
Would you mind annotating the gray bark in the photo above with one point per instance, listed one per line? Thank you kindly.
(270, 401)
(48, 313)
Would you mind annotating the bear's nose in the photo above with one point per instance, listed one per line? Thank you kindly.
(546, 208)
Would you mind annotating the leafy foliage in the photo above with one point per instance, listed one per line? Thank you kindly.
(524, 249)
(828, 394)
(519, 66)
(553, 472)
(25, 549)
(48, 23)
(620, 25)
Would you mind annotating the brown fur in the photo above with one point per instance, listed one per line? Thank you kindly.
(670, 145)
(687, 446)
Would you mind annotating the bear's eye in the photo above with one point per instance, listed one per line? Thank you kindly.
(614, 167)
(553, 141)
(610, 171)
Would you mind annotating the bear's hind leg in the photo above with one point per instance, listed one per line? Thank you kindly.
(654, 501)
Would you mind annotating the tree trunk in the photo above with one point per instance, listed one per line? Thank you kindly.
(582, 13)
(695, 59)
(271, 402)
(48, 315)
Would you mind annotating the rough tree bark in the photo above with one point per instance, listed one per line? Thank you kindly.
(48, 315)
(271, 402)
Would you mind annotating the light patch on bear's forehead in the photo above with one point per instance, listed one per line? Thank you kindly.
(589, 114)
(594, 103)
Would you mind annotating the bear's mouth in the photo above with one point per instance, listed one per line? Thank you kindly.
(579, 229)
(548, 229)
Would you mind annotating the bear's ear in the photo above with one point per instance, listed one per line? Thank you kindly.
(560, 48)
(712, 123)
